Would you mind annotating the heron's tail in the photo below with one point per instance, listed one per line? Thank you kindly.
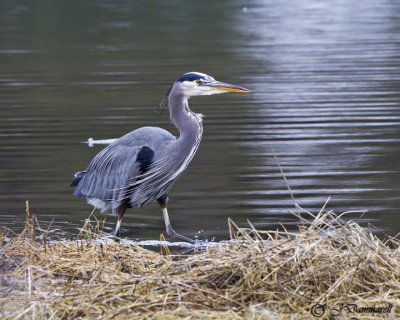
(78, 176)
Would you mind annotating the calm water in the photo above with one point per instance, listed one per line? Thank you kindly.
(326, 97)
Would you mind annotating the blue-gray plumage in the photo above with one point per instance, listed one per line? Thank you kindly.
(139, 168)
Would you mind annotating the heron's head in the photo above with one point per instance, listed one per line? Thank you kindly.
(199, 84)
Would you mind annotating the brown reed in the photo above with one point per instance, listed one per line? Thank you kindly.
(329, 262)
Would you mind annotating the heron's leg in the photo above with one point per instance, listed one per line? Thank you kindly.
(120, 211)
(163, 204)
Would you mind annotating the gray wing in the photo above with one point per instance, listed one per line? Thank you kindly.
(108, 173)
(111, 173)
(164, 170)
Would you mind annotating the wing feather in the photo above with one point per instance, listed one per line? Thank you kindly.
(108, 173)
(163, 172)
(112, 175)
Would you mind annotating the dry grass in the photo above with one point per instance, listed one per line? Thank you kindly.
(257, 275)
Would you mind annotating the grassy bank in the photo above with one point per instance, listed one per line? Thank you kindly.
(329, 267)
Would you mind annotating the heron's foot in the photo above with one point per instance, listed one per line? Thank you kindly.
(171, 232)
(115, 236)
(116, 239)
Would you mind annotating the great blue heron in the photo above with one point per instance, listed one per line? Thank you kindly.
(140, 167)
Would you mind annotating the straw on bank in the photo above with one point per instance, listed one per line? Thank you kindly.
(329, 264)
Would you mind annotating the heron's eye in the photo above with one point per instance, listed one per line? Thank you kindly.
(199, 82)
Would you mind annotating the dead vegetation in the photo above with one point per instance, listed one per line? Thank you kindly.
(256, 275)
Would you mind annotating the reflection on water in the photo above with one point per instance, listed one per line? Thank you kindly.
(325, 79)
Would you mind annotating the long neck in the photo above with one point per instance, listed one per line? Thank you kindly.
(186, 121)
(176, 155)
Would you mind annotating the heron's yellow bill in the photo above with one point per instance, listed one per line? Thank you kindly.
(228, 87)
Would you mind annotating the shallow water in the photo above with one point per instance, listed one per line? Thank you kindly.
(325, 80)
